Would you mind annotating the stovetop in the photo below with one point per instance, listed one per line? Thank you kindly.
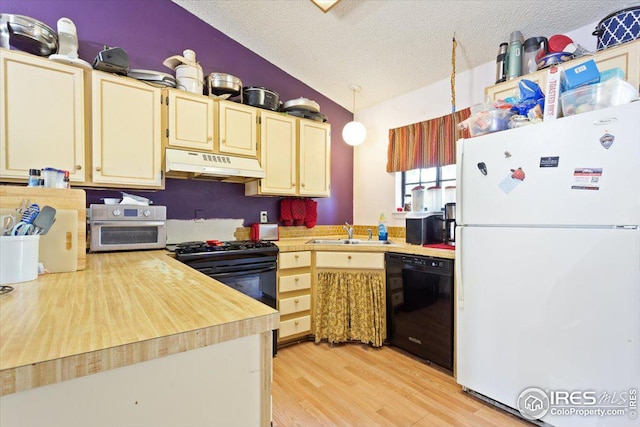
(231, 249)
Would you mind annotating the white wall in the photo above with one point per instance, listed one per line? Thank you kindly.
(374, 189)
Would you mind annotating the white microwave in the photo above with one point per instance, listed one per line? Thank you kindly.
(127, 227)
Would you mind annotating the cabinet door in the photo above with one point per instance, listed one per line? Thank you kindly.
(278, 154)
(625, 57)
(237, 129)
(41, 116)
(189, 120)
(126, 132)
(314, 146)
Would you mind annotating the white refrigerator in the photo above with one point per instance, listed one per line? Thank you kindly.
(548, 268)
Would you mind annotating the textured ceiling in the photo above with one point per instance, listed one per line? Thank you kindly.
(388, 47)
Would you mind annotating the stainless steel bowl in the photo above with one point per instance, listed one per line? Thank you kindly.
(223, 84)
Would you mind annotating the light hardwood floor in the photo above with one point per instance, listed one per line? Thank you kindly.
(358, 385)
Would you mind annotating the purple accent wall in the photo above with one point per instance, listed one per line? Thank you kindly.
(150, 32)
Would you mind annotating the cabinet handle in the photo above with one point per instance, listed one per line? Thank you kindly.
(78, 167)
(349, 257)
(296, 301)
(223, 141)
(98, 168)
(296, 256)
(297, 279)
(209, 138)
(301, 185)
(296, 323)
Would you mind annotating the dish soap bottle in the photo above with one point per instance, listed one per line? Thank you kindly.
(382, 228)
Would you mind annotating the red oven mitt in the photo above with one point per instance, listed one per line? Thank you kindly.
(298, 211)
(312, 213)
(285, 212)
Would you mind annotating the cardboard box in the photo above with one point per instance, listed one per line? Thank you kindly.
(581, 75)
(552, 93)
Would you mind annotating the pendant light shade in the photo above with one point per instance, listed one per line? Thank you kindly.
(354, 133)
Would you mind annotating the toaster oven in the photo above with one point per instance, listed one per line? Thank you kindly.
(127, 227)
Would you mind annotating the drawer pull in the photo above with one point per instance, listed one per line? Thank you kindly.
(296, 256)
(296, 300)
(296, 323)
(349, 257)
(297, 279)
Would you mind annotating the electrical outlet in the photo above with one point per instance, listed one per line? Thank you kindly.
(263, 217)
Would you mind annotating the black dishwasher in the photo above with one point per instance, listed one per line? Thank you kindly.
(420, 306)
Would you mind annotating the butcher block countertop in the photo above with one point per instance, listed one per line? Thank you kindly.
(399, 245)
(124, 308)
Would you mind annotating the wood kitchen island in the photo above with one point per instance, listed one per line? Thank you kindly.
(137, 338)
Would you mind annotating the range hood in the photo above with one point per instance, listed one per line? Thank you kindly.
(193, 164)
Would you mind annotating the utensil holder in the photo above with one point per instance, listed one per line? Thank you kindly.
(18, 258)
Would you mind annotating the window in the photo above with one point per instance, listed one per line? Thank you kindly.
(439, 176)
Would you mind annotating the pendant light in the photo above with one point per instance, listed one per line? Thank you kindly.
(354, 132)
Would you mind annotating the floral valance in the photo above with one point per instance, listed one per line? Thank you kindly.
(426, 144)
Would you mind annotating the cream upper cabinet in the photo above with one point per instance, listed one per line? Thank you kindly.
(278, 156)
(236, 129)
(296, 155)
(126, 144)
(187, 120)
(41, 116)
(626, 57)
(314, 146)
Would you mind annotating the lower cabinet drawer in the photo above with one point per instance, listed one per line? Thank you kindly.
(294, 305)
(294, 260)
(359, 260)
(295, 282)
(295, 326)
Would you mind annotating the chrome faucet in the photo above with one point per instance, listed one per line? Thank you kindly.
(349, 229)
(370, 233)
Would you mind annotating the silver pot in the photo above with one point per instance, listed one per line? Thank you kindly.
(27, 34)
(223, 84)
(261, 97)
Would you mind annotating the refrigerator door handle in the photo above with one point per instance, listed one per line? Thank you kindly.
(459, 173)
(458, 267)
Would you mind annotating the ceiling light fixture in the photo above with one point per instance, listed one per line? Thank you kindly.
(354, 132)
(325, 5)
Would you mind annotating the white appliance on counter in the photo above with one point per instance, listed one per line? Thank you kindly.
(548, 268)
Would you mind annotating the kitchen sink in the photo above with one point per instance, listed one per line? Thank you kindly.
(350, 242)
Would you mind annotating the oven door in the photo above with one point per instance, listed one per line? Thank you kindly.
(256, 280)
(127, 235)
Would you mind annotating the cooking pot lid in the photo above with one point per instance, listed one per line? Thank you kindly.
(301, 103)
(153, 76)
(260, 88)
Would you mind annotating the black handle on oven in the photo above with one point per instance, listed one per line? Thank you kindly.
(238, 272)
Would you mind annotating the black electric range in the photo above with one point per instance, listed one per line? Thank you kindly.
(245, 265)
